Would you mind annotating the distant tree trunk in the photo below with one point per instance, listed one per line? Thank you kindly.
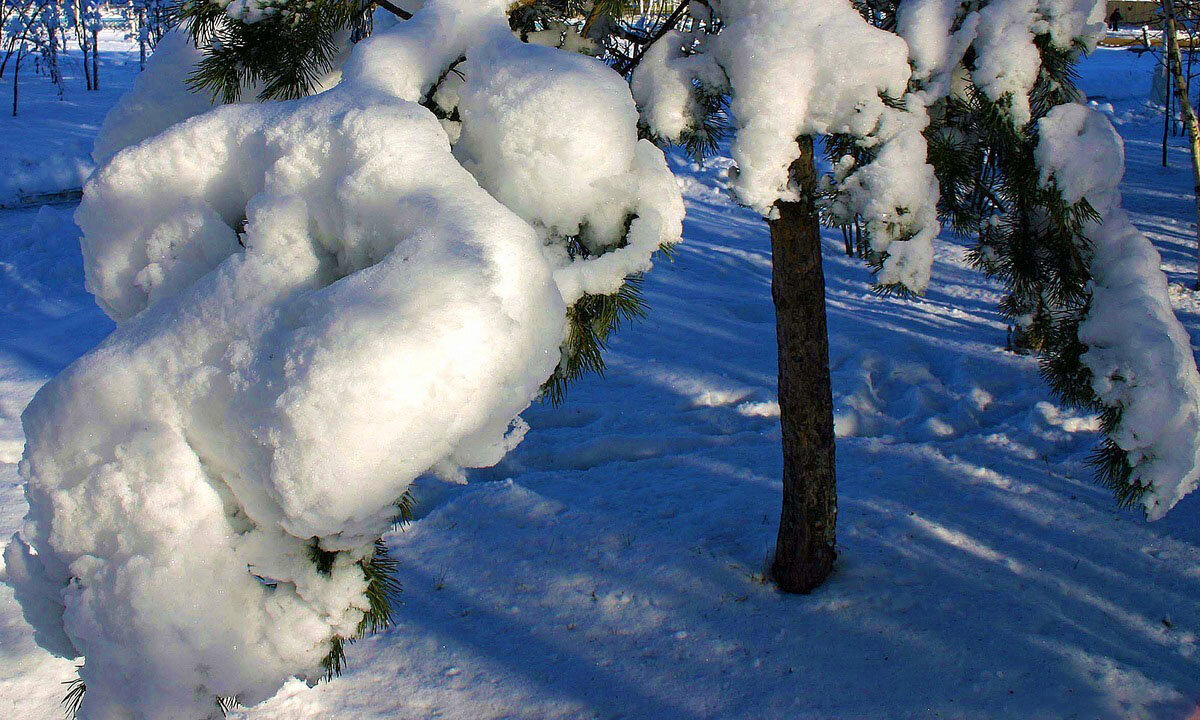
(804, 550)
(16, 81)
(87, 75)
(1166, 102)
(95, 60)
(142, 37)
(4, 63)
(1189, 115)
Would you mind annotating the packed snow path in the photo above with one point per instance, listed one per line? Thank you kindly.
(618, 574)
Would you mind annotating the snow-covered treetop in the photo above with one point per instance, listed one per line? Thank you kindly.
(802, 69)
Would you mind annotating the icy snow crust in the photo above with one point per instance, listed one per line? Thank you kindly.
(796, 69)
(1139, 354)
(317, 303)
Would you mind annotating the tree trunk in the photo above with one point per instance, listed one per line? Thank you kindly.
(16, 81)
(1166, 101)
(87, 75)
(804, 551)
(95, 60)
(1189, 116)
(142, 37)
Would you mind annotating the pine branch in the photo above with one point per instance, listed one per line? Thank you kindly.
(397, 11)
(590, 322)
(72, 701)
(669, 25)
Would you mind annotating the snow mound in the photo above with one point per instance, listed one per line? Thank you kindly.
(159, 97)
(33, 173)
(318, 301)
(1139, 354)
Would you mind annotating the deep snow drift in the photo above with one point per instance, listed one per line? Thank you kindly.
(618, 574)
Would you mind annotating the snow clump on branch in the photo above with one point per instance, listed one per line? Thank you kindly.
(1003, 34)
(1139, 354)
(796, 69)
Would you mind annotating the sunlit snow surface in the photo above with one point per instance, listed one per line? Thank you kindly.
(981, 574)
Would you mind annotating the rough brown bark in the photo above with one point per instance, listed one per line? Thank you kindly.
(804, 551)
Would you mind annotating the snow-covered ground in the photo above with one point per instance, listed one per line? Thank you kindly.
(612, 566)
(47, 146)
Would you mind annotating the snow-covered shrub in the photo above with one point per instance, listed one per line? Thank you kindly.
(317, 301)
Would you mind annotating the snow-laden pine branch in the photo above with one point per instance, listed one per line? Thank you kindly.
(1138, 368)
(317, 301)
(1139, 355)
(799, 69)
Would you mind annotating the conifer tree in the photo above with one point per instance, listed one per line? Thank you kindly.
(739, 50)
(1046, 227)
(991, 75)
(994, 92)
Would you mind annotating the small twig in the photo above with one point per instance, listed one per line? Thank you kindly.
(667, 27)
(394, 9)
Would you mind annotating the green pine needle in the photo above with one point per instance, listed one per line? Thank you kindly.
(286, 52)
(382, 591)
(590, 322)
(71, 702)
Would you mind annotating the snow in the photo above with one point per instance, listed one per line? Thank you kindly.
(981, 573)
(158, 99)
(270, 267)
(1138, 353)
(663, 87)
(553, 177)
(160, 96)
(48, 144)
(1007, 60)
(794, 70)
(440, 328)
(1140, 356)
(935, 46)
